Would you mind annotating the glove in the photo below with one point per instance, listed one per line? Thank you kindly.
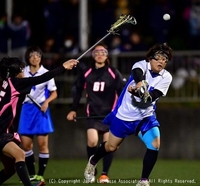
(143, 92)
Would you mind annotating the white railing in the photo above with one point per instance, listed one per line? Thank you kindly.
(184, 67)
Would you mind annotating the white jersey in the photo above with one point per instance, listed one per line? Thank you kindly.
(125, 110)
(40, 92)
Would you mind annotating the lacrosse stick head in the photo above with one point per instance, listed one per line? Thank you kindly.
(123, 19)
(144, 93)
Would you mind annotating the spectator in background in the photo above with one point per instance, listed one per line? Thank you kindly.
(160, 28)
(20, 33)
(122, 7)
(54, 15)
(185, 16)
(135, 43)
(103, 17)
(71, 27)
(70, 45)
(194, 23)
(116, 45)
(52, 56)
(4, 35)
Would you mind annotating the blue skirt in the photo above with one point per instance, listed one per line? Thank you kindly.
(34, 122)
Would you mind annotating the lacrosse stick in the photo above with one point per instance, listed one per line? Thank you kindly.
(89, 117)
(123, 19)
(34, 101)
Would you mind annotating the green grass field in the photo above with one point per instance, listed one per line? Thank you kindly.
(123, 172)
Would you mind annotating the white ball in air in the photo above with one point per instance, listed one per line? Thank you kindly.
(166, 17)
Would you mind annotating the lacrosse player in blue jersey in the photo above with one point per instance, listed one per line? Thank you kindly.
(134, 112)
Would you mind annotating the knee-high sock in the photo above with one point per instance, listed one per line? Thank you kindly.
(22, 173)
(107, 160)
(4, 176)
(43, 160)
(30, 162)
(91, 151)
(100, 153)
(149, 161)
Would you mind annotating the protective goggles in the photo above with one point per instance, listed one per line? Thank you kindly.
(160, 56)
(101, 52)
(37, 54)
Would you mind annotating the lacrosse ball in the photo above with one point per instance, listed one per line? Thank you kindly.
(166, 17)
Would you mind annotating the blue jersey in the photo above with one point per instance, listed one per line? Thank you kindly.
(125, 109)
(32, 120)
(40, 92)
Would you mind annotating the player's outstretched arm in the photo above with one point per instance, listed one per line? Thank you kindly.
(30, 81)
(70, 64)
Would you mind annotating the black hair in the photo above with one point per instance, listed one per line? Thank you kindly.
(30, 50)
(10, 67)
(159, 48)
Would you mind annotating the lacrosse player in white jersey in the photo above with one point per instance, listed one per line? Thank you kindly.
(36, 121)
(134, 112)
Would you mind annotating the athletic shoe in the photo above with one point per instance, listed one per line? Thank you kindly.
(143, 183)
(41, 183)
(103, 179)
(89, 172)
(33, 178)
(39, 178)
